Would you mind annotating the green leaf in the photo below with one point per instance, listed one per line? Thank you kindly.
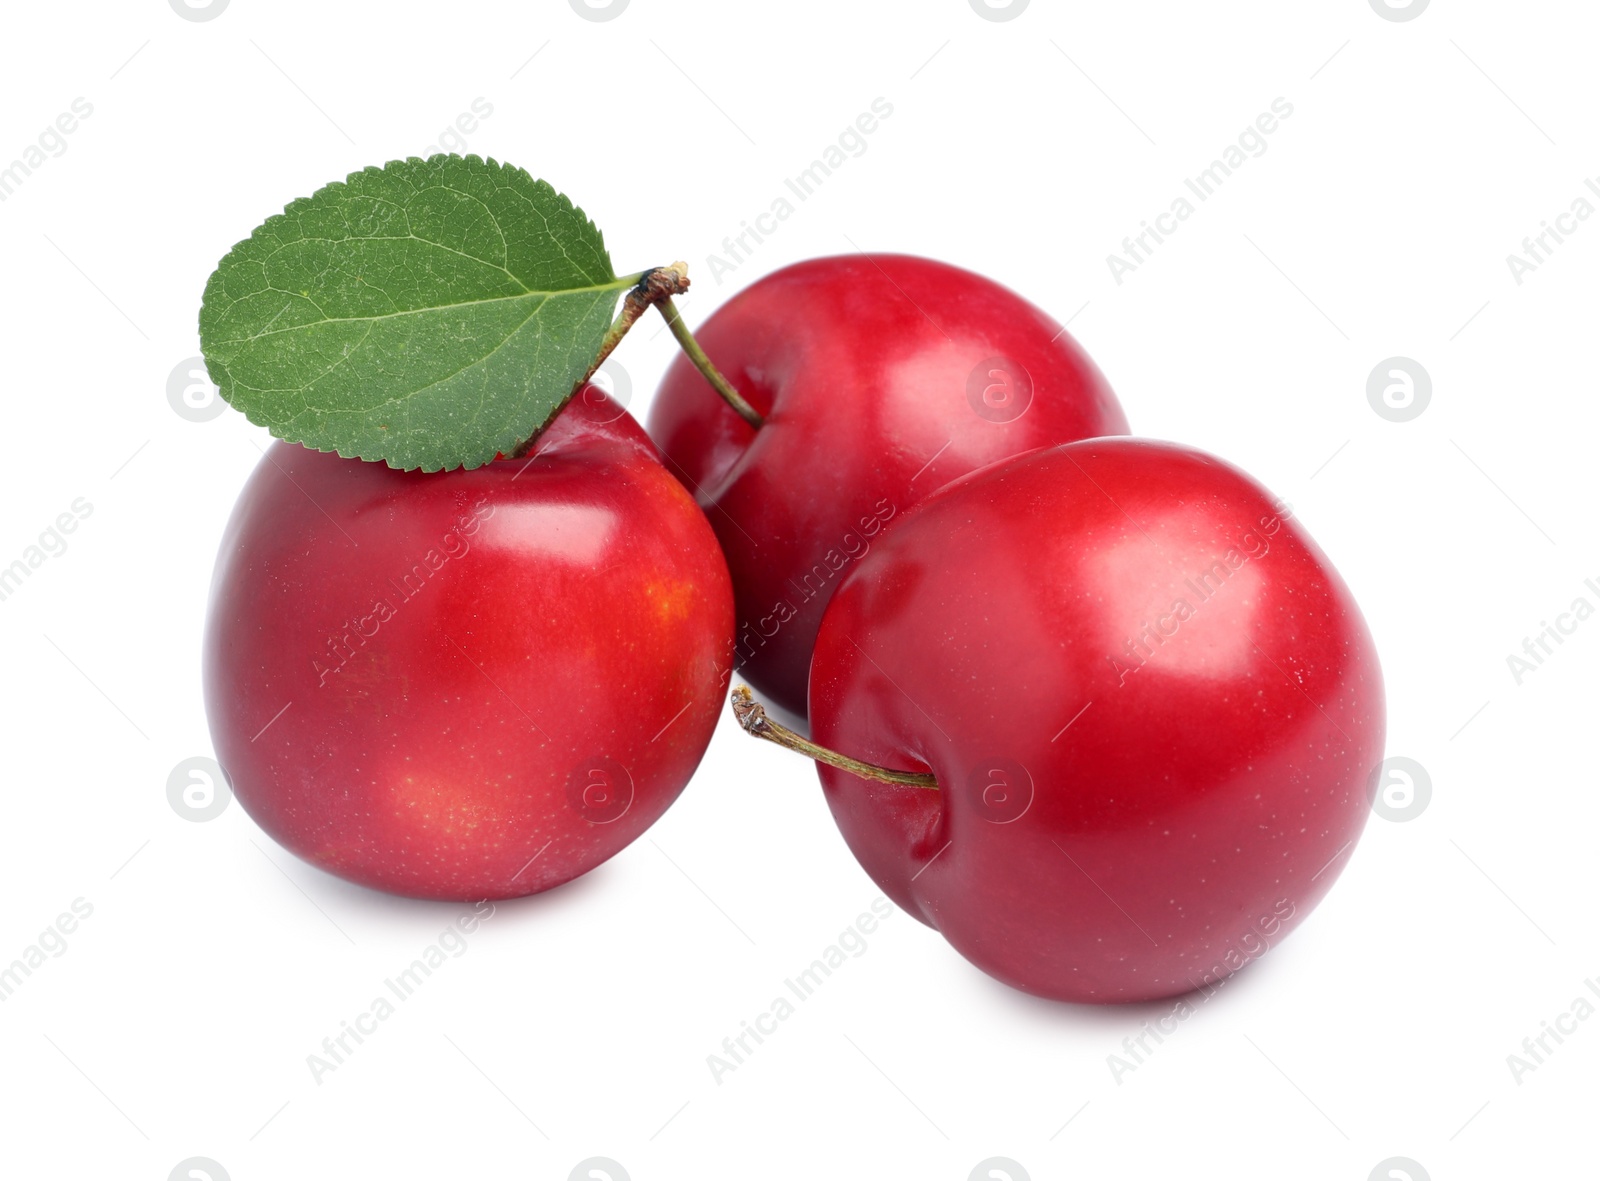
(429, 313)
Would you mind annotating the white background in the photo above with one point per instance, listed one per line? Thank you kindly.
(1419, 155)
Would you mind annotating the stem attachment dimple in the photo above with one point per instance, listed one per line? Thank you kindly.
(691, 348)
(753, 718)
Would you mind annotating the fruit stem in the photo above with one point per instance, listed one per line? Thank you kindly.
(656, 286)
(650, 287)
(691, 348)
(753, 717)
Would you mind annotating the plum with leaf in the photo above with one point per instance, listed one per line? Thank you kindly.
(467, 638)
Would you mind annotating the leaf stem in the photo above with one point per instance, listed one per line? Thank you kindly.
(648, 287)
(691, 348)
(656, 286)
(753, 717)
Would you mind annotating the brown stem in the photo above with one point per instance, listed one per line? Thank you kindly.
(654, 286)
(753, 717)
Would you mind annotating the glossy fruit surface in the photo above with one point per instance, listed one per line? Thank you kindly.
(469, 684)
(881, 377)
(1151, 704)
